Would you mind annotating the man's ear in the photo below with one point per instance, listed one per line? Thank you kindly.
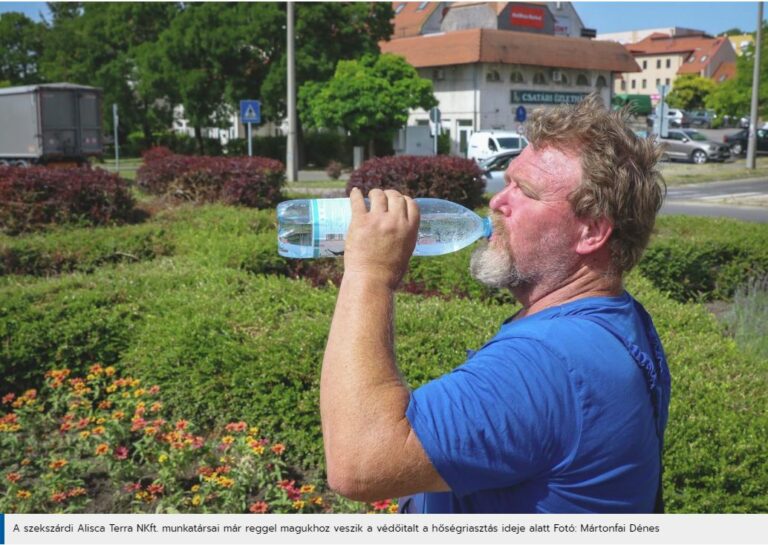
(595, 233)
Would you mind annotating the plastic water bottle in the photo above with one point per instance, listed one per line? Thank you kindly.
(310, 228)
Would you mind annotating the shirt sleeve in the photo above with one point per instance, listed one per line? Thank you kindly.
(505, 416)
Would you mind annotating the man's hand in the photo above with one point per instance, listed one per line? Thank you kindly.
(380, 243)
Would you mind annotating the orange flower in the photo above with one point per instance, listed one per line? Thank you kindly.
(65, 426)
(259, 507)
(58, 497)
(109, 371)
(154, 389)
(13, 477)
(317, 500)
(105, 404)
(58, 463)
(96, 369)
(118, 415)
(278, 448)
(156, 406)
(307, 489)
(101, 449)
(236, 426)
(83, 422)
(77, 491)
(155, 489)
(298, 504)
(98, 430)
(8, 398)
(23, 494)
(227, 439)
(182, 424)
(150, 430)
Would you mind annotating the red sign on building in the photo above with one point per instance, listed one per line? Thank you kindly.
(527, 16)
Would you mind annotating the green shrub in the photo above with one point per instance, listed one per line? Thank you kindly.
(747, 320)
(694, 258)
(81, 249)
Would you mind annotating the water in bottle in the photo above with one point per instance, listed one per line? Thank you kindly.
(310, 228)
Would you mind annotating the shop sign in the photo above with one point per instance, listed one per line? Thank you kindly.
(545, 97)
(527, 16)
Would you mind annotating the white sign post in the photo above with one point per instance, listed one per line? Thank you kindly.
(116, 122)
(250, 112)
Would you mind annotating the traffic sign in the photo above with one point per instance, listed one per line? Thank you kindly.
(250, 111)
(520, 114)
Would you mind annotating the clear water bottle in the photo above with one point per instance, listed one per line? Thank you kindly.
(308, 228)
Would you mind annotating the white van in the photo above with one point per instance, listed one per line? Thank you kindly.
(483, 144)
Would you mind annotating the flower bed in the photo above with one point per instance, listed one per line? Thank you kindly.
(103, 443)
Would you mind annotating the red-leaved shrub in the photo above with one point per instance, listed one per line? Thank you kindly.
(255, 182)
(31, 198)
(444, 177)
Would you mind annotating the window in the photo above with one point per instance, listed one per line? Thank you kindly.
(517, 77)
(666, 81)
(658, 82)
(704, 58)
(600, 83)
(422, 6)
(438, 74)
(645, 86)
(669, 63)
(623, 85)
(692, 58)
(399, 8)
(582, 80)
(492, 75)
(658, 63)
(539, 79)
(492, 145)
(645, 65)
(634, 84)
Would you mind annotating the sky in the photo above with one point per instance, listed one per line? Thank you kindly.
(711, 17)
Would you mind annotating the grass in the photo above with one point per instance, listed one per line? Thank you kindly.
(128, 167)
(748, 318)
(680, 173)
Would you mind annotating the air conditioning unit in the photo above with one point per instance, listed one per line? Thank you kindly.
(557, 76)
(438, 74)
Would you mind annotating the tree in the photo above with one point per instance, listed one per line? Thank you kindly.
(98, 44)
(690, 92)
(325, 32)
(735, 31)
(733, 97)
(369, 98)
(21, 42)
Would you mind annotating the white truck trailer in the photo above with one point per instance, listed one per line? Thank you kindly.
(49, 123)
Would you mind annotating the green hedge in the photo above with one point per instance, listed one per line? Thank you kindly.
(227, 344)
(694, 258)
(81, 249)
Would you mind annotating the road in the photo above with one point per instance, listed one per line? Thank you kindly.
(742, 199)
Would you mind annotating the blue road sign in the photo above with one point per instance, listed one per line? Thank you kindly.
(250, 111)
(520, 114)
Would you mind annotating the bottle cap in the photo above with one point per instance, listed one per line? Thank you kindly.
(487, 227)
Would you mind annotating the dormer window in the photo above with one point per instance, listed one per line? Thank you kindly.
(422, 6)
(539, 79)
(704, 58)
(399, 8)
(493, 76)
(582, 80)
(517, 77)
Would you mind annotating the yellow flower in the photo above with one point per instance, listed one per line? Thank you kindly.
(196, 500)
(307, 489)
(135, 382)
(162, 458)
(102, 448)
(392, 508)
(298, 504)
(258, 449)
(98, 430)
(85, 434)
(226, 482)
(101, 420)
(254, 430)
(23, 494)
(150, 430)
(139, 392)
(111, 388)
(195, 488)
(26, 462)
(126, 395)
(227, 439)
(317, 500)
(109, 371)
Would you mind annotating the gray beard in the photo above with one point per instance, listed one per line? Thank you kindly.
(495, 268)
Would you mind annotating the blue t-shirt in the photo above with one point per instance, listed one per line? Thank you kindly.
(552, 415)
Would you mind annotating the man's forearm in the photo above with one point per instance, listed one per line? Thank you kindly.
(362, 396)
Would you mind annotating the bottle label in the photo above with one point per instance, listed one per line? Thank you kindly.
(331, 219)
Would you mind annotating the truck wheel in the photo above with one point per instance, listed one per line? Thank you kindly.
(736, 148)
(699, 157)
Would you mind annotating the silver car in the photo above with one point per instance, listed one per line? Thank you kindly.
(493, 169)
(691, 145)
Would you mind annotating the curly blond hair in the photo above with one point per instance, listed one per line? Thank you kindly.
(620, 179)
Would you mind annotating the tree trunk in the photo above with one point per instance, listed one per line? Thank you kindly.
(149, 139)
(199, 139)
(371, 149)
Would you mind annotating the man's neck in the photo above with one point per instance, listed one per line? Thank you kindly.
(584, 282)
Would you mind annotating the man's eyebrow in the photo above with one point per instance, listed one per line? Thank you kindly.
(525, 187)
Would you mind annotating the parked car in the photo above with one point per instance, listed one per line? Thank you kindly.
(689, 144)
(677, 118)
(738, 141)
(703, 118)
(483, 144)
(494, 167)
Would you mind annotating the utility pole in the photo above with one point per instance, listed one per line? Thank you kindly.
(290, 155)
(752, 140)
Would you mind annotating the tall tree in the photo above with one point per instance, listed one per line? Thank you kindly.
(690, 92)
(326, 32)
(732, 98)
(369, 98)
(98, 44)
(21, 42)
